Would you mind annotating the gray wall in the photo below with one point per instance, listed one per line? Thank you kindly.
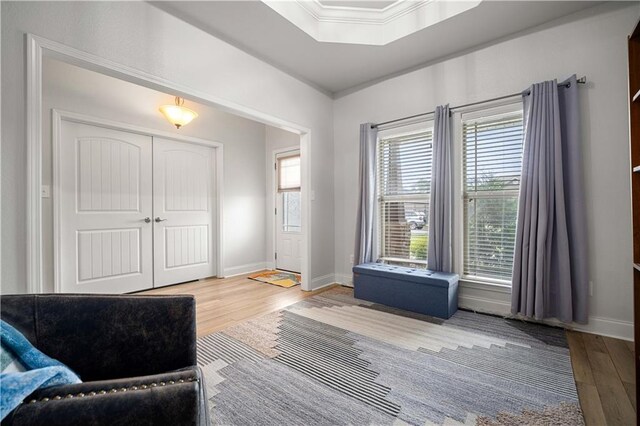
(591, 43)
(138, 35)
(70, 88)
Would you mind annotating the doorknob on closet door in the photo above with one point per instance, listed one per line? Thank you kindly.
(147, 219)
(157, 219)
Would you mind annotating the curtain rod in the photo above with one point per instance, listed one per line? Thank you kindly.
(581, 80)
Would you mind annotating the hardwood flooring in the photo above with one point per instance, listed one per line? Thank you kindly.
(605, 378)
(603, 367)
(221, 303)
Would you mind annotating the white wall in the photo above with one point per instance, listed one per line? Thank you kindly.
(74, 89)
(275, 139)
(592, 43)
(140, 36)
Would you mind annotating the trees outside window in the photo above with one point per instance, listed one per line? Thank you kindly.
(492, 163)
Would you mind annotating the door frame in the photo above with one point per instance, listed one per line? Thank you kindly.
(37, 47)
(58, 116)
(274, 197)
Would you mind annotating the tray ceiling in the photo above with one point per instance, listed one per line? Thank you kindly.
(355, 24)
(339, 68)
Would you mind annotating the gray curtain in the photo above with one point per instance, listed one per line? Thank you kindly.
(365, 250)
(440, 206)
(550, 271)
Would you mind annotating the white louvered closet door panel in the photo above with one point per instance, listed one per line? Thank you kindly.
(104, 190)
(183, 205)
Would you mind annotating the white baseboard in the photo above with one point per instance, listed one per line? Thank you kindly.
(605, 327)
(344, 279)
(245, 269)
(496, 301)
(323, 281)
(597, 325)
(485, 301)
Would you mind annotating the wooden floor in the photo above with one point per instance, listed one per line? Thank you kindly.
(221, 303)
(605, 377)
(603, 367)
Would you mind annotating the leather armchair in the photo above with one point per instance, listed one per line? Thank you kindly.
(136, 356)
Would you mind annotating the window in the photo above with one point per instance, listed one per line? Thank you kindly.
(289, 173)
(404, 181)
(492, 163)
(288, 167)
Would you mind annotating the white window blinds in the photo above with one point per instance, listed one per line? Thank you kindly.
(289, 173)
(492, 163)
(404, 181)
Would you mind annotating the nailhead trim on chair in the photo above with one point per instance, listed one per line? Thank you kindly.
(114, 390)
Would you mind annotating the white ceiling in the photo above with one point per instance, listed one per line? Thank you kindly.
(339, 68)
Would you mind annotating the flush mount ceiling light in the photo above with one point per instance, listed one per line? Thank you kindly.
(178, 114)
(373, 23)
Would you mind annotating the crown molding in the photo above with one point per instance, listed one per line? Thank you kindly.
(325, 13)
(356, 25)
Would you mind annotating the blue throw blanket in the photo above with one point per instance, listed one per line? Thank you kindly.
(40, 371)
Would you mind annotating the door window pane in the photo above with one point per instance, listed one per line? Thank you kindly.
(291, 215)
(289, 173)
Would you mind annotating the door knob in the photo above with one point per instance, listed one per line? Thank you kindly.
(158, 220)
(147, 219)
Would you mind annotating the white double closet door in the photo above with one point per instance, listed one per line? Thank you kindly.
(135, 211)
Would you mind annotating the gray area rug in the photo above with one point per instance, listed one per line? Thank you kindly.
(335, 360)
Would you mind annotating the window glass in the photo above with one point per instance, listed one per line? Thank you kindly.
(492, 165)
(291, 217)
(404, 182)
(289, 173)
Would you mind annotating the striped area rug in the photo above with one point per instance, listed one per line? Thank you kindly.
(335, 360)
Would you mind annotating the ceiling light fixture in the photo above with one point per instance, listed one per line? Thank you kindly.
(178, 114)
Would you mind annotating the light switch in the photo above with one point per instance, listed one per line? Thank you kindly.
(313, 195)
(45, 191)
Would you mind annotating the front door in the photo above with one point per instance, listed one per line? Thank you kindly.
(105, 210)
(183, 210)
(288, 213)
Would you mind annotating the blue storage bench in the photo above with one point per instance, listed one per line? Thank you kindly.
(417, 290)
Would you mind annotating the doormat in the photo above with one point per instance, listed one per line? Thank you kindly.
(279, 278)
